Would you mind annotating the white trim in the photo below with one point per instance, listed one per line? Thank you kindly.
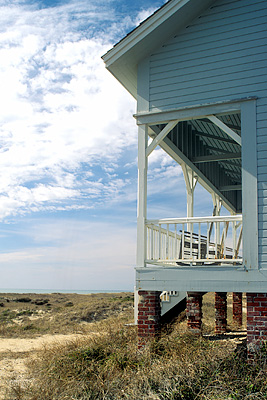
(191, 112)
(123, 58)
(150, 25)
(249, 184)
(190, 182)
(225, 128)
(186, 220)
(159, 138)
(203, 278)
(142, 195)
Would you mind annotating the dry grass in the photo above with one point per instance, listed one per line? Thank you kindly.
(176, 367)
(29, 315)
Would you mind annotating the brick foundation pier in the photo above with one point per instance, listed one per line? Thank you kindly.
(194, 312)
(149, 312)
(256, 323)
(237, 309)
(220, 312)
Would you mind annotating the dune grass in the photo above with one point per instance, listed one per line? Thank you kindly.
(30, 315)
(178, 366)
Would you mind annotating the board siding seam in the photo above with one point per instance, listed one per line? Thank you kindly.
(220, 54)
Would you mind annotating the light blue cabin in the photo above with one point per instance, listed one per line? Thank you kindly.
(198, 70)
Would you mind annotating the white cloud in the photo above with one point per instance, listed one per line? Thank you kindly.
(59, 106)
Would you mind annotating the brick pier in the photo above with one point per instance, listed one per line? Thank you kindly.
(256, 323)
(237, 309)
(220, 312)
(194, 312)
(149, 312)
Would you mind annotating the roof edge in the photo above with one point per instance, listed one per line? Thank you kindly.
(142, 30)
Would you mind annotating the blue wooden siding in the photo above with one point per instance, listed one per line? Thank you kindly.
(222, 55)
(262, 177)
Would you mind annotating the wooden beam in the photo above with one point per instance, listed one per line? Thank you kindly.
(212, 148)
(205, 278)
(216, 157)
(229, 188)
(191, 112)
(158, 139)
(227, 140)
(180, 158)
(235, 127)
(225, 128)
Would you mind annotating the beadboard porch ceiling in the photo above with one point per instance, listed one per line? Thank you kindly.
(213, 153)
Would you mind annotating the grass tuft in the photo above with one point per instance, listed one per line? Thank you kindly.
(178, 366)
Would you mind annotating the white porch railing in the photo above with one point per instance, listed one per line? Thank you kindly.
(195, 240)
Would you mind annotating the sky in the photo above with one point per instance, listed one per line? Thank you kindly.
(68, 148)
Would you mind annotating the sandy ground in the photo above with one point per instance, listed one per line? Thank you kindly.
(15, 352)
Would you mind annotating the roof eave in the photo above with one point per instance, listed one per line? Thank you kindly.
(123, 58)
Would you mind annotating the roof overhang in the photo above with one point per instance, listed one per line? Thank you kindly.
(122, 60)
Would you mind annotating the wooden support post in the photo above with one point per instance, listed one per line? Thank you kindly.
(142, 195)
(190, 182)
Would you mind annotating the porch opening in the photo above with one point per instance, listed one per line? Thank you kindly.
(209, 152)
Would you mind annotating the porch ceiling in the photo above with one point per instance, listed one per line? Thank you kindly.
(213, 153)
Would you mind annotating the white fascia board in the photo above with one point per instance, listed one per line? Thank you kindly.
(142, 31)
(201, 278)
(123, 58)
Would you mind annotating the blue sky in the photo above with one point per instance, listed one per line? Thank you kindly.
(68, 153)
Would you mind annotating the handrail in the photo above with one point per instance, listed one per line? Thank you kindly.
(187, 220)
(217, 239)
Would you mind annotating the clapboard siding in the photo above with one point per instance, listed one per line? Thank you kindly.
(261, 170)
(227, 55)
(220, 56)
(262, 178)
(208, 97)
(231, 72)
(193, 63)
(240, 42)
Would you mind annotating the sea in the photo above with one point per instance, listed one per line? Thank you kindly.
(40, 291)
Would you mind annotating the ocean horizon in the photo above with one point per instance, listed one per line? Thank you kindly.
(46, 291)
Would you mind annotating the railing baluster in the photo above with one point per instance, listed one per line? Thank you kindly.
(215, 240)
(164, 241)
(224, 248)
(191, 240)
(208, 242)
(218, 228)
(167, 243)
(234, 238)
(175, 243)
(152, 242)
(182, 241)
(148, 256)
(199, 240)
(157, 244)
(160, 241)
